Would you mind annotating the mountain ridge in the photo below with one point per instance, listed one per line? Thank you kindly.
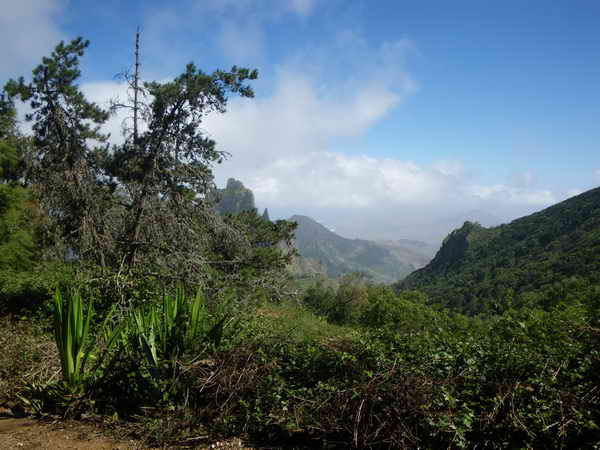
(324, 252)
(531, 260)
(339, 255)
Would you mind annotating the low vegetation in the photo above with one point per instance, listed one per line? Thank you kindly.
(389, 372)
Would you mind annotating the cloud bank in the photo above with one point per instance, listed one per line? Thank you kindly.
(288, 143)
(285, 147)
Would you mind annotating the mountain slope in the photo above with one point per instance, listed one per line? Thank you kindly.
(338, 255)
(323, 252)
(542, 259)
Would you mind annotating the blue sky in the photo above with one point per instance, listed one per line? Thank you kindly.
(376, 117)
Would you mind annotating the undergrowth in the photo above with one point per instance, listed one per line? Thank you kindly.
(390, 372)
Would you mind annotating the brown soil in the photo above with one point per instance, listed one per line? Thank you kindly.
(29, 434)
(32, 434)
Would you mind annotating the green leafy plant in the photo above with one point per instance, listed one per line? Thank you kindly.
(71, 333)
(167, 330)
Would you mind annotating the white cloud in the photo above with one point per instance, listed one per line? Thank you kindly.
(237, 27)
(28, 31)
(242, 31)
(450, 168)
(242, 42)
(282, 146)
(103, 93)
(280, 149)
(266, 9)
(335, 180)
(310, 106)
(513, 194)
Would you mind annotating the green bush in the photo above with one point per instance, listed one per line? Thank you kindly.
(403, 376)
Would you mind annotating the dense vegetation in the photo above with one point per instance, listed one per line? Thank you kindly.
(176, 338)
(541, 260)
(24, 277)
(358, 366)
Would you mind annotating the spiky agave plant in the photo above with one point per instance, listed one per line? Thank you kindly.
(167, 330)
(71, 331)
(185, 321)
(197, 320)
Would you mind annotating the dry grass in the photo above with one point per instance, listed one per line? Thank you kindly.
(28, 355)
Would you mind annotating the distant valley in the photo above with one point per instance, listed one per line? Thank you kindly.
(324, 252)
(384, 262)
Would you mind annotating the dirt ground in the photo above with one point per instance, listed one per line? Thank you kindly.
(31, 434)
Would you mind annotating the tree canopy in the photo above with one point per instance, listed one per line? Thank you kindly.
(142, 206)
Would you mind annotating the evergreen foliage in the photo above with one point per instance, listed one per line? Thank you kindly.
(25, 278)
(11, 143)
(18, 247)
(141, 210)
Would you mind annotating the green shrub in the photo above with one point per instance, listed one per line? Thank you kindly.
(405, 376)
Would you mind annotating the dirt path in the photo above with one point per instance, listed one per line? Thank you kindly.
(29, 434)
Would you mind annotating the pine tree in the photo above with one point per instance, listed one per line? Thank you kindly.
(63, 166)
(18, 249)
(143, 207)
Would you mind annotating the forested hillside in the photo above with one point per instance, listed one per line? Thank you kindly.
(543, 259)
